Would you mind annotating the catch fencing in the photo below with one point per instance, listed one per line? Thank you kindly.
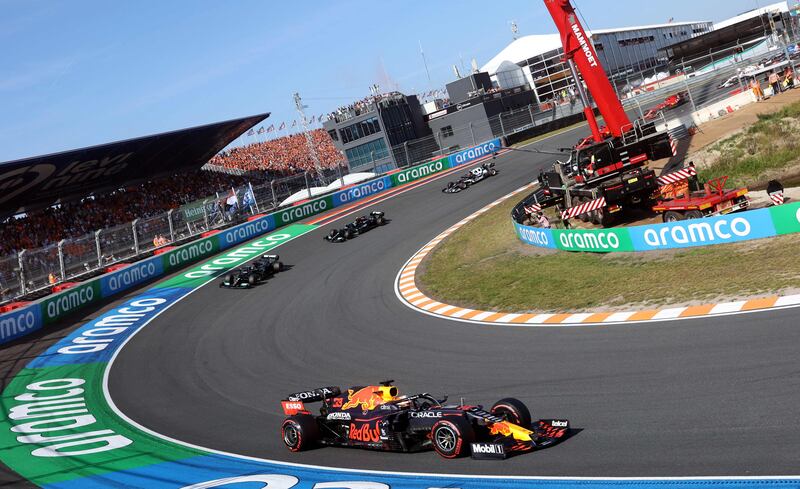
(31, 271)
(503, 125)
(713, 77)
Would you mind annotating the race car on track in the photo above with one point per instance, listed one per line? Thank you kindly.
(360, 225)
(473, 176)
(249, 276)
(377, 417)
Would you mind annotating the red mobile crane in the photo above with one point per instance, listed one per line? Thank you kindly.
(609, 169)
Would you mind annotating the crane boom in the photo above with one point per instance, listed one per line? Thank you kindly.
(574, 40)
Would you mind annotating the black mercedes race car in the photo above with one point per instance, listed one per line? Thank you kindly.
(360, 225)
(249, 276)
(473, 176)
(376, 417)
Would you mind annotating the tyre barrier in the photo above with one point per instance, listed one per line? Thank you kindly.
(730, 228)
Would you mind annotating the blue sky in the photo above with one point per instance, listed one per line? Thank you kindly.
(77, 73)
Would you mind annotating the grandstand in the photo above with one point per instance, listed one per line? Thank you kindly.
(70, 215)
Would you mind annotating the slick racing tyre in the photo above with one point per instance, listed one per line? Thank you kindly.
(252, 280)
(380, 220)
(451, 438)
(492, 172)
(348, 234)
(228, 279)
(300, 432)
(277, 266)
(513, 410)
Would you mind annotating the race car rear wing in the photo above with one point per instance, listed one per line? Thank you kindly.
(315, 395)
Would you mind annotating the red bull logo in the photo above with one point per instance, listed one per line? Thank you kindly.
(365, 432)
(501, 428)
(367, 398)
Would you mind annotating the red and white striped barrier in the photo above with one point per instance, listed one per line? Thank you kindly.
(776, 198)
(584, 208)
(677, 176)
(674, 145)
(533, 208)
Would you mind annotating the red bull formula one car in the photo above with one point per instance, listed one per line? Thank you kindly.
(377, 417)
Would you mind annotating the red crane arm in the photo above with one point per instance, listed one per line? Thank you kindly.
(578, 48)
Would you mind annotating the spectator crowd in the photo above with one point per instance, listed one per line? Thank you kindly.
(73, 219)
(262, 161)
(282, 156)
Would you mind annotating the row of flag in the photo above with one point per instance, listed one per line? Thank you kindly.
(271, 128)
(432, 93)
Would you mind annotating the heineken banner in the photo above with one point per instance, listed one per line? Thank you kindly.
(195, 211)
(731, 228)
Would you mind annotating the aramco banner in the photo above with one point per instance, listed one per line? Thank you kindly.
(731, 228)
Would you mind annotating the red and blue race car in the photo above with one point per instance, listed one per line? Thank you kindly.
(377, 417)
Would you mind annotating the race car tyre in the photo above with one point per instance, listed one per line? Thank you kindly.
(694, 215)
(492, 172)
(228, 279)
(672, 216)
(380, 220)
(277, 266)
(462, 185)
(300, 432)
(513, 410)
(252, 280)
(451, 438)
(348, 234)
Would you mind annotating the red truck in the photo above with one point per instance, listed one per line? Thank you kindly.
(690, 202)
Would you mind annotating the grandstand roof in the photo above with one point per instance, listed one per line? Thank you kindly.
(527, 47)
(775, 7)
(42, 181)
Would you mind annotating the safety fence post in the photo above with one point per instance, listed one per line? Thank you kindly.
(254, 206)
(308, 185)
(472, 133)
(99, 249)
(22, 288)
(205, 213)
(135, 236)
(274, 199)
(408, 160)
(686, 84)
(171, 225)
(61, 259)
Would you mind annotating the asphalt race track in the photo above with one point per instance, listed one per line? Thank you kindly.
(688, 398)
